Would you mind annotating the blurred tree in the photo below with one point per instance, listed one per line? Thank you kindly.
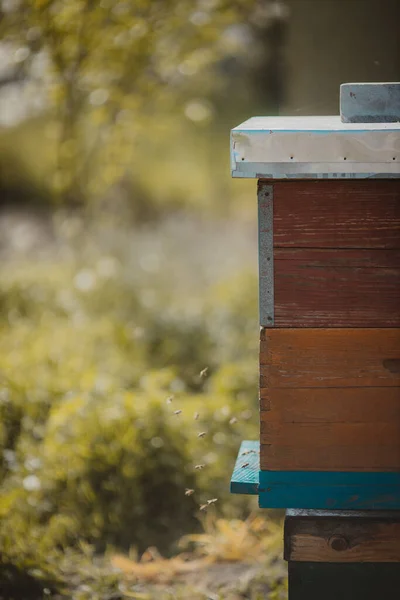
(109, 65)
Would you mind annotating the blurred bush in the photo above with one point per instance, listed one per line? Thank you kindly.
(91, 347)
(107, 471)
(129, 108)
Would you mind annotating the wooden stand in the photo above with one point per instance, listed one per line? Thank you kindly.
(343, 555)
(338, 581)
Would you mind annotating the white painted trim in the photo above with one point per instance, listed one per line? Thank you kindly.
(280, 147)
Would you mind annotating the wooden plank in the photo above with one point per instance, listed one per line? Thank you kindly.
(245, 475)
(308, 358)
(329, 490)
(266, 255)
(334, 581)
(335, 457)
(344, 258)
(334, 405)
(356, 536)
(314, 435)
(370, 102)
(331, 389)
(336, 288)
(337, 214)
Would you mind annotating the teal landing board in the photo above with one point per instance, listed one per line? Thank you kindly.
(246, 473)
(324, 490)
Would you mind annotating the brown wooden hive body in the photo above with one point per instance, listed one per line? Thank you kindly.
(330, 358)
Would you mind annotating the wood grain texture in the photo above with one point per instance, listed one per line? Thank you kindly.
(308, 358)
(330, 405)
(335, 457)
(330, 399)
(357, 537)
(370, 102)
(380, 548)
(314, 435)
(336, 288)
(337, 214)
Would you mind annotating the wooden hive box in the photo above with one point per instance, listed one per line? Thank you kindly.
(329, 261)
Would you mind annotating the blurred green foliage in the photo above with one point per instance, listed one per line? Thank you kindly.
(94, 338)
(100, 323)
(110, 70)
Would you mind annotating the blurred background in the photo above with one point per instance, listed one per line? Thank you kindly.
(128, 285)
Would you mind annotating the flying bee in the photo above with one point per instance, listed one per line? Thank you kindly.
(203, 506)
(245, 465)
(203, 373)
(233, 421)
(169, 399)
(199, 467)
(196, 416)
(188, 492)
(212, 501)
(202, 434)
(177, 412)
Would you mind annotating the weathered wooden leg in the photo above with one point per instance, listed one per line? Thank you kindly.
(343, 555)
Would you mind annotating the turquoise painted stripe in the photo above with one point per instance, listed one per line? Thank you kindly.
(328, 478)
(330, 497)
(324, 490)
(329, 490)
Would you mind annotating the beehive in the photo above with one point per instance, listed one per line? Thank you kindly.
(329, 264)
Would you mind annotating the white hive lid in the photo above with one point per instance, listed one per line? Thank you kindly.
(314, 147)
